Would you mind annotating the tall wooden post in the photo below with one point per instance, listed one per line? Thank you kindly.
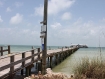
(44, 50)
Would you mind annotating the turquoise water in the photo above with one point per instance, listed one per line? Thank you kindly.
(69, 63)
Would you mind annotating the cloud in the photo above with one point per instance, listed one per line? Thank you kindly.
(56, 25)
(19, 36)
(87, 32)
(16, 19)
(55, 6)
(66, 16)
(1, 19)
(8, 9)
(1, 4)
(18, 4)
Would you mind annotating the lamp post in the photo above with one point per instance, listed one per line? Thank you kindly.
(44, 37)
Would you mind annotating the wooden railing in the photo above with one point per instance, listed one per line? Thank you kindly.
(22, 61)
(4, 50)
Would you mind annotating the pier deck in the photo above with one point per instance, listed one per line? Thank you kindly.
(17, 61)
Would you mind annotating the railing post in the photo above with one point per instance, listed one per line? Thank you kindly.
(23, 63)
(9, 49)
(62, 48)
(32, 55)
(39, 52)
(12, 67)
(1, 51)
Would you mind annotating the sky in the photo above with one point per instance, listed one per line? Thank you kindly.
(69, 22)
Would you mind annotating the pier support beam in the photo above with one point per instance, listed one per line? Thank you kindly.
(51, 62)
(60, 57)
(39, 66)
(27, 72)
(56, 59)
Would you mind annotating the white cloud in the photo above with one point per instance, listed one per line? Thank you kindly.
(55, 6)
(1, 19)
(18, 4)
(1, 4)
(19, 36)
(56, 25)
(8, 9)
(16, 19)
(66, 16)
(78, 32)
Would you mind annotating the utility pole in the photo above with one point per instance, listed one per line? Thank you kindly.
(44, 37)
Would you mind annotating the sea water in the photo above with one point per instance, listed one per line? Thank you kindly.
(23, 48)
(69, 63)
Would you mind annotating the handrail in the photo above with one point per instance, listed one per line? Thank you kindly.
(12, 54)
(17, 62)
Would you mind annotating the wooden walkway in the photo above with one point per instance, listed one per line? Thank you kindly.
(14, 62)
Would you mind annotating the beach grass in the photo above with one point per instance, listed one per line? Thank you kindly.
(90, 69)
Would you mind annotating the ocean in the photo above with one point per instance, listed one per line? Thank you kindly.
(22, 48)
(69, 63)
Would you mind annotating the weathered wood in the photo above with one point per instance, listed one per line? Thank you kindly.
(23, 63)
(1, 51)
(4, 50)
(56, 59)
(39, 66)
(9, 49)
(17, 62)
(32, 53)
(12, 67)
(39, 52)
(50, 61)
(49, 54)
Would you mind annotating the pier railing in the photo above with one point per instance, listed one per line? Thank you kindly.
(34, 56)
(4, 50)
(14, 62)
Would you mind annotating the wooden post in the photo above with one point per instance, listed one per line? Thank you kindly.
(56, 59)
(39, 66)
(50, 61)
(36, 65)
(32, 53)
(1, 51)
(23, 63)
(9, 49)
(44, 52)
(39, 54)
(12, 67)
(60, 58)
(27, 72)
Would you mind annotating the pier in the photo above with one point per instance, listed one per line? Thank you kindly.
(15, 62)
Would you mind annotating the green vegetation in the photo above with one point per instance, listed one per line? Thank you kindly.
(90, 69)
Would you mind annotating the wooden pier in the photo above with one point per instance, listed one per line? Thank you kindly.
(12, 63)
